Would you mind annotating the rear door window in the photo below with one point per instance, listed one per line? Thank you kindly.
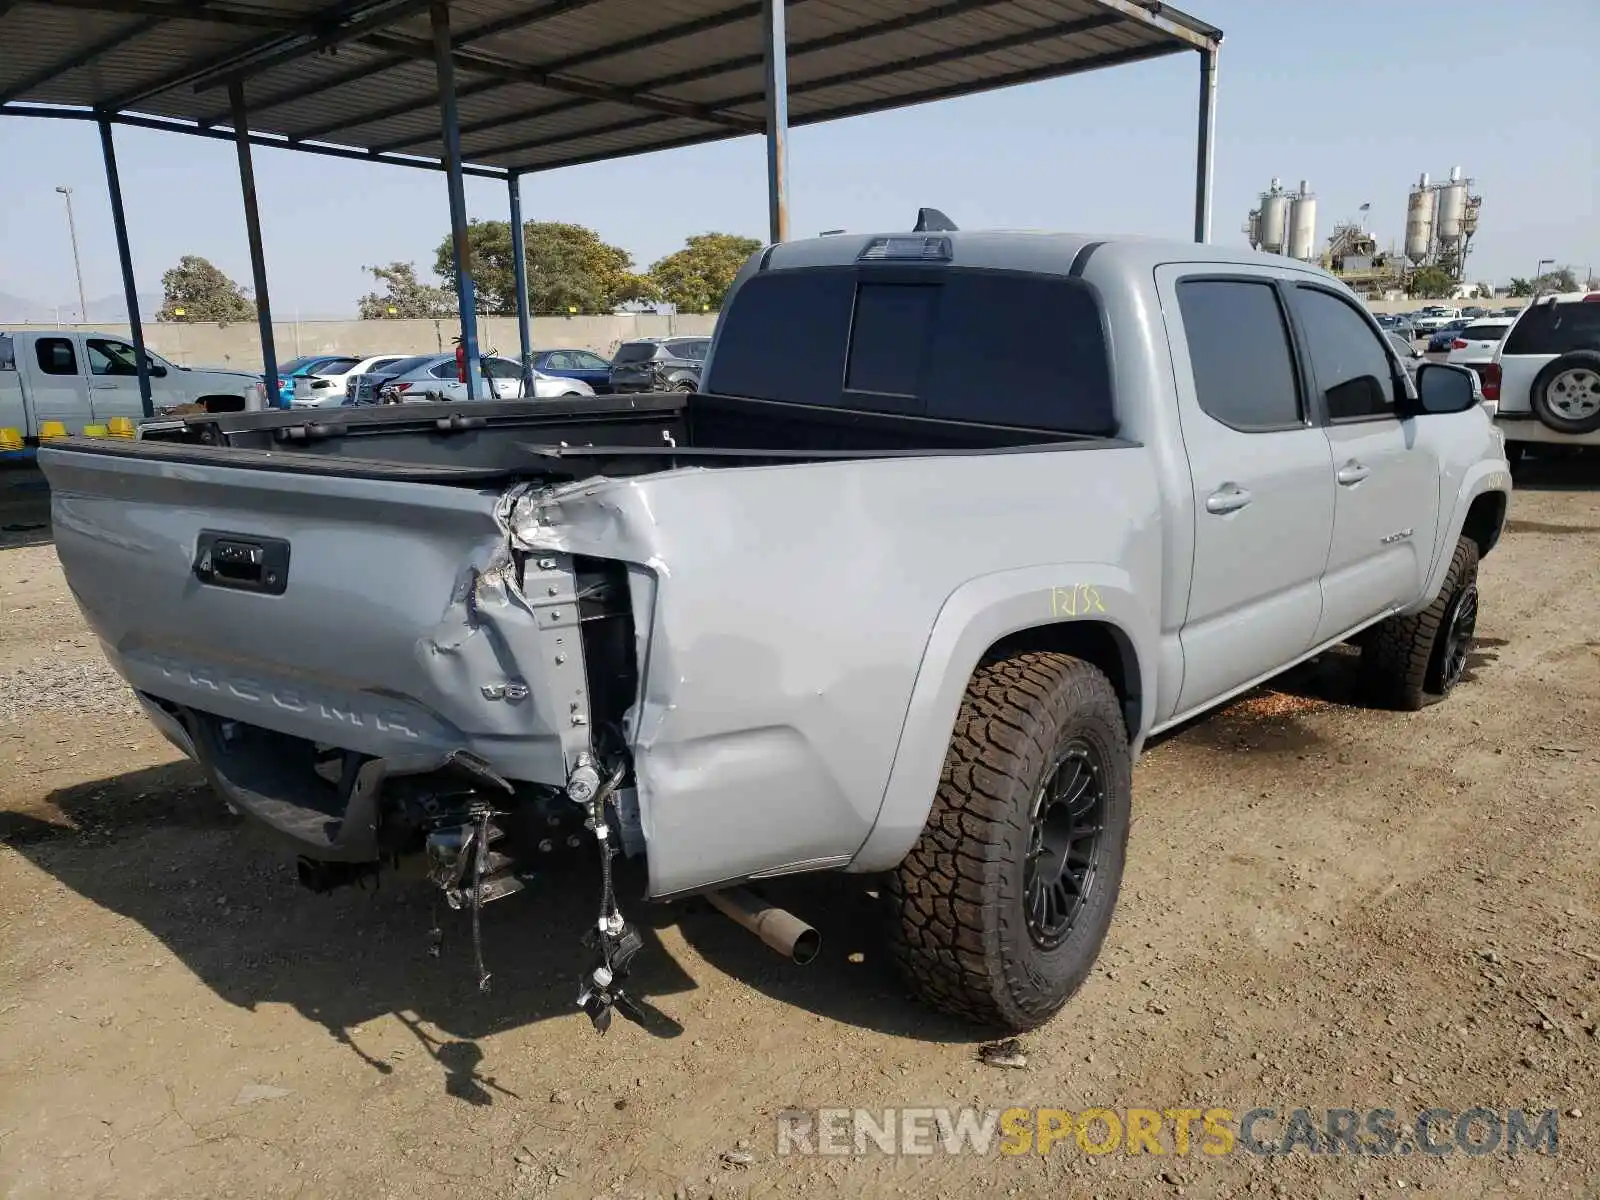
(1557, 329)
(56, 356)
(998, 347)
(1483, 333)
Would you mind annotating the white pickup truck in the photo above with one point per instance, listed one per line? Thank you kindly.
(80, 378)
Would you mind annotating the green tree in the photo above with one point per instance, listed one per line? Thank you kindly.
(1521, 287)
(195, 290)
(1431, 283)
(697, 277)
(569, 268)
(404, 295)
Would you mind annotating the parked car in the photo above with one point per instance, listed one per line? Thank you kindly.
(1513, 311)
(434, 377)
(1406, 351)
(1474, 312)
(1545, 374)
(659, 364)
(80, 379)
(328, 383)
(1439, 340)
(538, 636)
(1426, 320)
(1474, 345)
(289, 371)
(575, 364)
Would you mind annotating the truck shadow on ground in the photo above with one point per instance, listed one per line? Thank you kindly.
(1556, 472)
(156, 847)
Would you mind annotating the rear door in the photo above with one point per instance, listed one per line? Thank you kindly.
(1261, 475)
(1386, 479)
(57, 380)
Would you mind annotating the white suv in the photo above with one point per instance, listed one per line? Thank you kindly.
(1546, 374)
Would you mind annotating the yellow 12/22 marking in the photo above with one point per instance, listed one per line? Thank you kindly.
(1078, 600)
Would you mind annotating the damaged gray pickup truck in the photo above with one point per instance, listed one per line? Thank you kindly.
(959, 520)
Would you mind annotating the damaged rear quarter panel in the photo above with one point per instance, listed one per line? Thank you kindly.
(792, 608)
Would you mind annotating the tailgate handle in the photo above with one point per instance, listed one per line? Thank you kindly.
(243, 562)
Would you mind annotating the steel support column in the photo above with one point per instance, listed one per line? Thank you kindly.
(450, 122)
(130, 290)
(519, 270)
(776, 53)
(1205, 147)
(252, 228)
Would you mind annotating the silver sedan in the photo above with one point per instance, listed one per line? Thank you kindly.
(430, 378)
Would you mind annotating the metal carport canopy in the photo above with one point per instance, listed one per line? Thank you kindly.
(543, 84)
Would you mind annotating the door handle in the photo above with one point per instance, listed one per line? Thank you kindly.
(1230, 497)
(103, 387)
(1353, 473)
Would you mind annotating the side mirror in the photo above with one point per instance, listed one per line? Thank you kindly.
(157, 372)
(1443, 388)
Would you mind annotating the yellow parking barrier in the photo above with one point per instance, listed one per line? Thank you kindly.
(96, 431)
(122, 427)
(52, 429)
(10, 439)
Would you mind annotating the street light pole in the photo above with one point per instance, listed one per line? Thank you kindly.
(1539, 270)
(77, 266)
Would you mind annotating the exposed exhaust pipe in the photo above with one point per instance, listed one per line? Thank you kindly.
(782, 930)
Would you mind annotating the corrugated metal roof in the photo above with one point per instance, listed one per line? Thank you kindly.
(547, 83)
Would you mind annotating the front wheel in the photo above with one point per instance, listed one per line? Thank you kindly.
(1000, 909)
(1407, 662)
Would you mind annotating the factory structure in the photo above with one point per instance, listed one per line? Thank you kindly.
(1441, 219)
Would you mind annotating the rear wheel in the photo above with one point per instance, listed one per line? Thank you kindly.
(1000, 909)
(1409, 661)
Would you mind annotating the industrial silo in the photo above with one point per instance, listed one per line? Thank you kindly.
(1252, 228)
(1419, 221)
(1450, 224)
(1274, 218)
(1303, 224)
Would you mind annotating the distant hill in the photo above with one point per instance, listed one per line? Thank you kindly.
(107, 310)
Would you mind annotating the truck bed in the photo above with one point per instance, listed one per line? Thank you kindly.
(434, 590)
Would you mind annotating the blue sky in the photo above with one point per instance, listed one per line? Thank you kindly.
(1356, 96)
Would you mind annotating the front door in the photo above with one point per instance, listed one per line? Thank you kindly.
(113, 379)
(1261, 477)
(56, 382)
(1386, 482)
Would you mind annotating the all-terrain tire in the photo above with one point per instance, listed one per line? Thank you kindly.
(958, 927)
(1404, 660)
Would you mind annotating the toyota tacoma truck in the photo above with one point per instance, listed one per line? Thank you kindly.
(843, 609)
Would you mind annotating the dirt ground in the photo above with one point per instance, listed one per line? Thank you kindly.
(1325, 906)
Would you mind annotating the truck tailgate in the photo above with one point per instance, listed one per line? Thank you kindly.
(381, 616)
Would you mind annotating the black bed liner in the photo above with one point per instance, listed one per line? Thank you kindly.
(462, 444)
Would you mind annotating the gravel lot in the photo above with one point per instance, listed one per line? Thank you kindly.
(1324, 906)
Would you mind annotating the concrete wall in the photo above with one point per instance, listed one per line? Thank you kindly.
(199, 344)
